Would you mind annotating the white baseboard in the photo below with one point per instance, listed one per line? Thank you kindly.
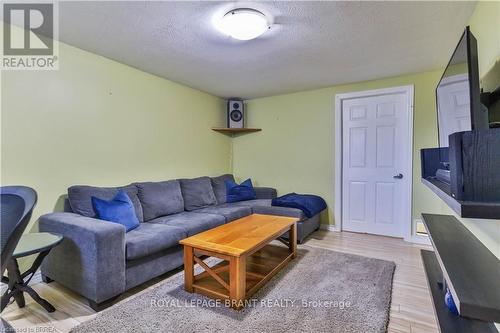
(329, 227)
(417, 239)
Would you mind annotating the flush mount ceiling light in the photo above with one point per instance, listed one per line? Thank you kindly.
(243, 23)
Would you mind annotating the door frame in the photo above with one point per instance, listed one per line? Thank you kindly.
(339, 98)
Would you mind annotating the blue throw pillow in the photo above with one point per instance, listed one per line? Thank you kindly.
(241, 192)
(118, 210)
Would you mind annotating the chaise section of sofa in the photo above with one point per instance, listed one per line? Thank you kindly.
(99, 260)
(191, 222)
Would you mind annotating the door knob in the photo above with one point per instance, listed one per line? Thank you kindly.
(398, 176)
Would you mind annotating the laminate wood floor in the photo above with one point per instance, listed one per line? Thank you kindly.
(411, 309)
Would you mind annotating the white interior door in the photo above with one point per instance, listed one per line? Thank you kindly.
(375, 172)
(453, 107)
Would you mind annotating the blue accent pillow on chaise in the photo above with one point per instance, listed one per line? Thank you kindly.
(241, 192)
(118, 210)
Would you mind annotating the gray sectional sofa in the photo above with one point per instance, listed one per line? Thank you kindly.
(99, 260)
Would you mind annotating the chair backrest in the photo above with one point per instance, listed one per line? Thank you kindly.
(16, 207)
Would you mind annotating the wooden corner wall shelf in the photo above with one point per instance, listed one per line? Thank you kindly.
(235, 130)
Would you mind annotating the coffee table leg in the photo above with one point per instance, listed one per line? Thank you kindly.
(293, 240)
(237, 281)
(188, 268)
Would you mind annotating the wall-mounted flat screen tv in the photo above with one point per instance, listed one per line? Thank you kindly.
(457, 94)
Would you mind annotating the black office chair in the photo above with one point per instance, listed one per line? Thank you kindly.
(17, 203)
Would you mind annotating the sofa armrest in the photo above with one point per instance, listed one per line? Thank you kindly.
(265, 192)
(91, 258)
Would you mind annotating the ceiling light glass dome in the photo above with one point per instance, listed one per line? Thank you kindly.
(243, 23)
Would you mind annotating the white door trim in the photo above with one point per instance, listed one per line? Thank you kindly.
(339, 98)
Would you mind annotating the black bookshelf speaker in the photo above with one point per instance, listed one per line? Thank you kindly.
(235, 113)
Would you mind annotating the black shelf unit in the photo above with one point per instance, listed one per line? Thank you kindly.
(470, 270)
(447, 321)
(472, 189)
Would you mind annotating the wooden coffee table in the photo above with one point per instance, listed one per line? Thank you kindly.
(249, 261)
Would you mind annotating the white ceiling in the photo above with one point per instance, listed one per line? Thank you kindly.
(310, 45)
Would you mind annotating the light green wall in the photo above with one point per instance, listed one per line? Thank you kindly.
(295, 150)
(99, 122)
(485, 26)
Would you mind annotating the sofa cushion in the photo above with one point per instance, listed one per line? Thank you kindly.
(160, 198)
(219, 186)
(118, 210)
(80, 198)
(197, 193)
(265, 192)
(252, 203)
(149, 238)
(229, 211)
(263, 206)
(191, 222)
(281, 211)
